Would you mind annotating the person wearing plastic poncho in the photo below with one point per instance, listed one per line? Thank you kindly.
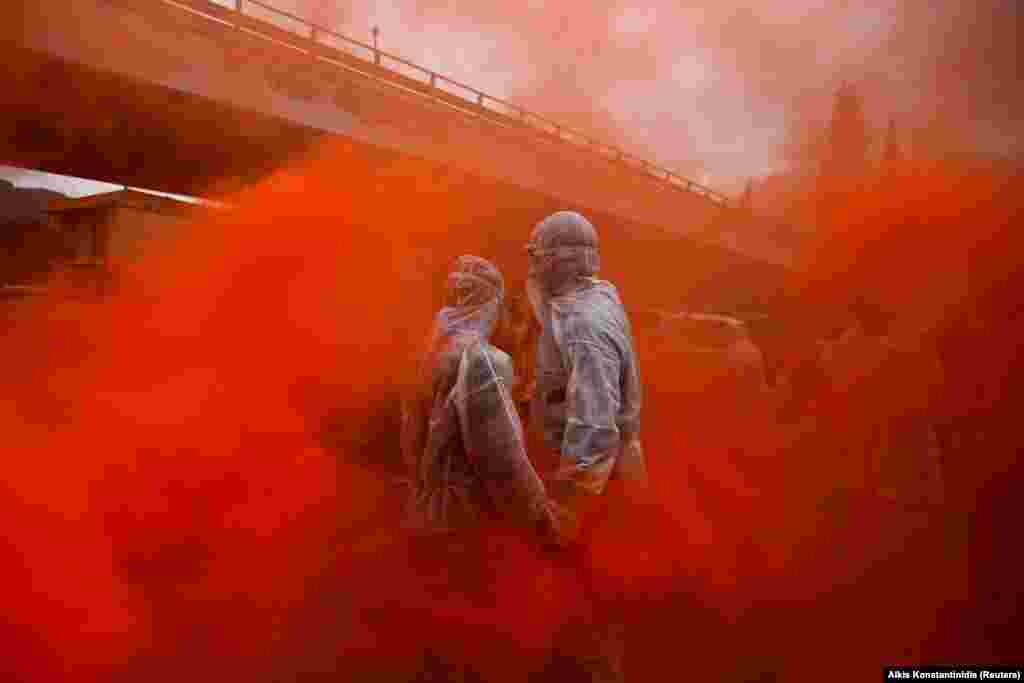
(587, 404)
(462, 439)
(588, 394)
(469, 477)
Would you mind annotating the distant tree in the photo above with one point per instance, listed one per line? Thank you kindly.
(848, 135)
(804, 145)
(747, 198)
(893, 150)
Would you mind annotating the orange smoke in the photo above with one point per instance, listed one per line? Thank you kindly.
(200, 465)
(165, 470)
(198, 468)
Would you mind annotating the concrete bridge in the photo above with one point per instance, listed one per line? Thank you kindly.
(192, 95)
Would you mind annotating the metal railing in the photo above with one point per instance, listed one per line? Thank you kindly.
(297, 33)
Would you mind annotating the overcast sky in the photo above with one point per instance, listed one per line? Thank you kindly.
(710, 87)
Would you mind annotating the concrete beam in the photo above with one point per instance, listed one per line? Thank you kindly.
(153, 43)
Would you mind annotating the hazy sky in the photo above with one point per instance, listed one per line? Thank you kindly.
(710, 88)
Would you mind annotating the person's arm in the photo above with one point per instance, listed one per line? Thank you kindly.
(495, 438)
(590, 444)
(751, 368)
(413, 436)
(415, 408)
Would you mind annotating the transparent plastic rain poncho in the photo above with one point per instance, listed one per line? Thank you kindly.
(588, 396)
(462, 440)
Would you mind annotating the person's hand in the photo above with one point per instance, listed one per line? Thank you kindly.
(555, 528)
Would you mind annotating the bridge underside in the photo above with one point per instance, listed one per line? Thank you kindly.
(276, 91)
(66, 118)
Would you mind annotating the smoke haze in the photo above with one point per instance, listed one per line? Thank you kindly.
(710, 89)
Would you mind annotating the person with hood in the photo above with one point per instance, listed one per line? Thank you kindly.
(462, 440)
(588, 394)
(470, 481)
(587, 404)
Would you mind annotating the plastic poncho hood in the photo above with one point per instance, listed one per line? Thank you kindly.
(462, 440)
(563, 248)
(475, 292)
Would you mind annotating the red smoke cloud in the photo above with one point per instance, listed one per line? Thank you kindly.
(164, 460)
(198, 469)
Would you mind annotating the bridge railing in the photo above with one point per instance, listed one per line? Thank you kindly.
(303, 35)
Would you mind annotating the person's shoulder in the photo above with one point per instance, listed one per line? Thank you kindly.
(596, 302)
(606, 291)
(482, 356)
(485, 363)
(502, 361)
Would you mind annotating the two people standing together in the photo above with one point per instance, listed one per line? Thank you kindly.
(462, 440)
